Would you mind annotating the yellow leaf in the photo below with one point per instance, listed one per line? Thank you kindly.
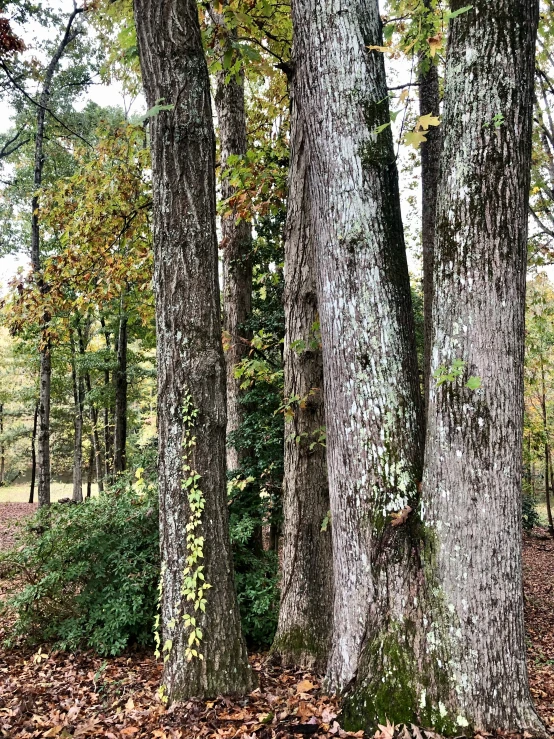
(414, 138)
(304, 686)
(404, 95)
(435, 43)
(383, 49)
(425, 121)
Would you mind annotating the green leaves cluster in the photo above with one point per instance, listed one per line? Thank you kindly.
(89, 572)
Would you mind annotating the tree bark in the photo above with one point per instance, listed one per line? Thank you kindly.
(34, 455)
(547, 466)
(429, 103)
(77, 383)
(306, 612)
(108, 440)
(45, 358)
(372, 393)
(472, 485)
(236, 235)
(93, 412)
(2, 446)
(120, 433)
(191, 366)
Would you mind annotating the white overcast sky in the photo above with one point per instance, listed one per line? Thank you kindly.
(112, 95)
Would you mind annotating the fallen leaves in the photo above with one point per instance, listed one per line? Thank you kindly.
(81, 696)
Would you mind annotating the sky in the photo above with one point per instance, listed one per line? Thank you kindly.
(113, 95)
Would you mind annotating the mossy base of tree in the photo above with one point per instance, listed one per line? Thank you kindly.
(394, 690)
(299, 647)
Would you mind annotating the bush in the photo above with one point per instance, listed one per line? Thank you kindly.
(530, 515)
(90, 571)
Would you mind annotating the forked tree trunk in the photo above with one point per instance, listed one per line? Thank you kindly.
(429, 103)
(236, 235)
(191, 366)
(120, 433)
(372, 394)
(473, 476)
(306, 611)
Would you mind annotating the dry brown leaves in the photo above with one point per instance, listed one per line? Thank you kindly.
(53, 694)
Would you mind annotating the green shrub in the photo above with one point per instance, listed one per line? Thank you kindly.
(530, 515)
(90, 571)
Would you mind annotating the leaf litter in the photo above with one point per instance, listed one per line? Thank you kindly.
(53, 694)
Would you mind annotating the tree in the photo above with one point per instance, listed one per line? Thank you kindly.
(305, 614)
(199, 613)
(372, 396)
(471, 507)
(236, 232)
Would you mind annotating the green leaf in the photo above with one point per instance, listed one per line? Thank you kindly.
(455, 13)
(474, 383)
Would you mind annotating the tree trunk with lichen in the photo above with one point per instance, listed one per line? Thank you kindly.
(306, 609)
(472, 485)
(191, 368)
(236, 232)
(371, 384)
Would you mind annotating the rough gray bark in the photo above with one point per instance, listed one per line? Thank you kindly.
(78, 393)
(306, 611)
(472, 484)
(191, 367)
(372, 394)
(236, 235)
(45, 359)
(120, 432)
(429, 103)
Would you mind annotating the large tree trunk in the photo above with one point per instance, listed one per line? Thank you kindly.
(191, 368)
(472, 484)
(429, 103)
(306, 611)
(45, 357)
(372, 394)
(236, 237)
(120, 433)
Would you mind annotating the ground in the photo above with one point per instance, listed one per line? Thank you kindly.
(44, 693)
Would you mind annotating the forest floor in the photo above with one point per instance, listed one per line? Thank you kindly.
(45, 693)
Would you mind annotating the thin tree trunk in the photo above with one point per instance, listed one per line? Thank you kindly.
(429, 103)
(191, 366)
(93, 412)
(78, 427)
(108, 442)
(236, 234)
(91, 457)
(2, 446)
(34, 455)
(472, 485)
(120, 433)
(372, 393)
(547, 465)
(45, 358)
(306, 612)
